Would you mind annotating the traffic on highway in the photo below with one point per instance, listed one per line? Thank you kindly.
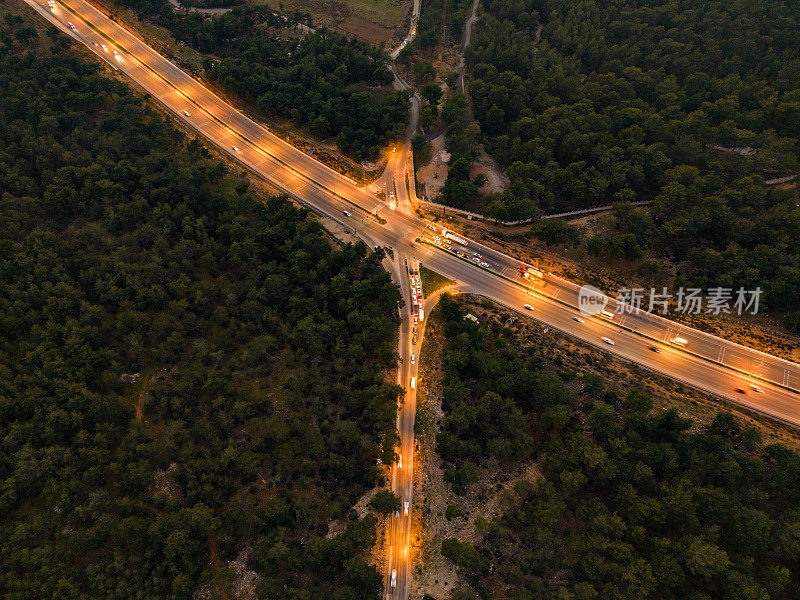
(757, 381)
(331, 193)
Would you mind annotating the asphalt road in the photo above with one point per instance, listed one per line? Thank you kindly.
(708, 363)
(411, 330)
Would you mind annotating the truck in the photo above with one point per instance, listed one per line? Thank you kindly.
(455, 237)
(528, 272)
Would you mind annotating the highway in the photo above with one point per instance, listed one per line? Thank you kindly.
(708, 363)
(399, 188)
(398, 570)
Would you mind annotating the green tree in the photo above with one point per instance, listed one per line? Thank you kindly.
(385, 502)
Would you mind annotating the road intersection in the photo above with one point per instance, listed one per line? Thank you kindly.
(722, 368)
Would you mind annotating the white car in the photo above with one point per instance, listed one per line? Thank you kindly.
(115, 53)
(485, 264)
(413, 359)
(103, 46)
(70, 25)
(393, 581)
(578, 320)
(235, 149)
(186, 113)
(347, 213)
(756, 389)
(608, 341)
(476, 259)
(528, 307)
(405, 507)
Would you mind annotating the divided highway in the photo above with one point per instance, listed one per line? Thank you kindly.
(765, 383)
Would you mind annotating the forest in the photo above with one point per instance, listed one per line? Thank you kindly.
(632, 503)
(441, 23)
(690, 105)
(336, 87)
(617, 93)
(188, 374)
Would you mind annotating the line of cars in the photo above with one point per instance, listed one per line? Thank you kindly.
(415, 285)
(447, 243)
(444, 243)
(101, 46)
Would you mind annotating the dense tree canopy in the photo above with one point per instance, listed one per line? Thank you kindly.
(185, 373)
(441, 23)
(618, 92)
(690, 104)
(631, 504)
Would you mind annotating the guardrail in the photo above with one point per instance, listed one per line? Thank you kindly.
(472, 215)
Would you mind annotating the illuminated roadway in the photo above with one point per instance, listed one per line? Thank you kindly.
(402, 473)
(399, 170)
(708, 363)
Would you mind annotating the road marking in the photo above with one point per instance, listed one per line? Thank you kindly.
(203, 95)
(721, 354)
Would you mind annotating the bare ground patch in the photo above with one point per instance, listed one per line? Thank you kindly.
(496, 180)
(366, 30)
(433, 175)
